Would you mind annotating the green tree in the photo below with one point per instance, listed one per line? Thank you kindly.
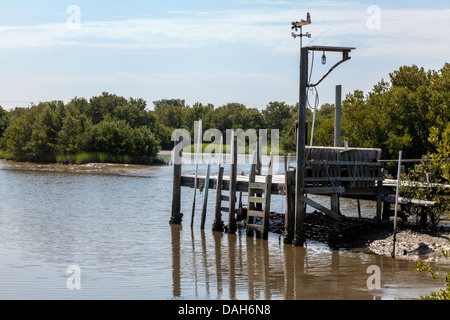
(398, 115)
(32, 136)
(441, 141)
(4, 122)
(169, 116)
(323, 125)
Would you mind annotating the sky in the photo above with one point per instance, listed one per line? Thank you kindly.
(209, 51)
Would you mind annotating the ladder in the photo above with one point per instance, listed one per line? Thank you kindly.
(259, 194)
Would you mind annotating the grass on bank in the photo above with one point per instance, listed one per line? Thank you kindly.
(92, 157)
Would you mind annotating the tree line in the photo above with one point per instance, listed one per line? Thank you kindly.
(409, 112)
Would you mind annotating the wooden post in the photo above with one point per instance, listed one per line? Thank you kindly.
(337, 117)
(251, 179)
(267, 197)
(289, 219)
(334, 222)
(177, 216)
(359, 208)
(232, 226)
(205, 197)
(379, 199)
(300, 208)
(199, 140)
(218, 223)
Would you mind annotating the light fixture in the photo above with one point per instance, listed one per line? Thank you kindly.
(324, 58)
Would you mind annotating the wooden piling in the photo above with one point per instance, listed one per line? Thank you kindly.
(205, 198)
(218, 224)
(232, 224)
(289, 220)
(251, 179)
(177, 216)
(334, 222)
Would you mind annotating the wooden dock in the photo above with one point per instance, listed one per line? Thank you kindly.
(335, 172)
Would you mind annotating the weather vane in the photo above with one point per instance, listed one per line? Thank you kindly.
(299, 24)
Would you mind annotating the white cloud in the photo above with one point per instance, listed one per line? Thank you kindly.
(264, 28)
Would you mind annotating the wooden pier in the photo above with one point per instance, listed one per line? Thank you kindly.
(355, 173)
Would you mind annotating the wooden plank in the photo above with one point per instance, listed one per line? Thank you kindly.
(224, 198)
(255, 213)
(257, 185)
(319, 207)
(257, 199)
(323, 190)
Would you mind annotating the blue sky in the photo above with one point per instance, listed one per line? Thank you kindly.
(208, 51)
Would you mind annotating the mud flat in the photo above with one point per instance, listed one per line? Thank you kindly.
(366, 235)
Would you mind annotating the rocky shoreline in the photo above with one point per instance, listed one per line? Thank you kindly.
(366, 235)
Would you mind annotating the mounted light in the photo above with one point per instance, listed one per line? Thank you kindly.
(324, 58)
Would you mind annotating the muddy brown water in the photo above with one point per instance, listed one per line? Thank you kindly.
(111, 222)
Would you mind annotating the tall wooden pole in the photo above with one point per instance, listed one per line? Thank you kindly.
(300, 208)
(337, 116)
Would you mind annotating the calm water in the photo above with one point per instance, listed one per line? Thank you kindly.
(112, 223)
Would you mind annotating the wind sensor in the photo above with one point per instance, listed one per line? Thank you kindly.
(299, 24)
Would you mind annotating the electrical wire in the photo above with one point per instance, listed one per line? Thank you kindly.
(316, 102)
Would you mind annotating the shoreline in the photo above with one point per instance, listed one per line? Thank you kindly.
(365, 235)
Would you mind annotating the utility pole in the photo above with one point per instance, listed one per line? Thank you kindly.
(300, 205)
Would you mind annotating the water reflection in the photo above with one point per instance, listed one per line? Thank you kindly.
(227, 266)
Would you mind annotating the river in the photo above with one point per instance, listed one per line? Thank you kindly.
(103, 232)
